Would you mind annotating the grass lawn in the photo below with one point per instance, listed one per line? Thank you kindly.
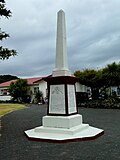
(6, 108)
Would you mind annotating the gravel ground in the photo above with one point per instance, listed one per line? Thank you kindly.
(0, 126)
(14, 145)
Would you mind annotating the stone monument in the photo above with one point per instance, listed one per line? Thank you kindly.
(62, 122)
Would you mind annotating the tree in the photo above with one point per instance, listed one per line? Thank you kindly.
(111, 74)
(100, 79)
(38, 97)
(18, 90)
(91, 78)
(5, 53)
(5, 78)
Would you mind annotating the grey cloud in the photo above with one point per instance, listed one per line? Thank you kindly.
(92, 34)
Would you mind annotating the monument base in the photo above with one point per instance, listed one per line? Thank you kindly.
(63, 129)
(57, 73)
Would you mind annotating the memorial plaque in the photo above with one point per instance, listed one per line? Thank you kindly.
(57, 99)
(71, 99)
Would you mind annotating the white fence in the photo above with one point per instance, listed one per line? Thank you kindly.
(5, 98)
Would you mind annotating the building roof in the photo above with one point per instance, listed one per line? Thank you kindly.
(6, 84)
(30, 81)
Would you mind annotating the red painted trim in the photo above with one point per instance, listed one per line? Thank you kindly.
(61, 80)
(66, 100)
(56, 114)
(66, 140)
(48, 99)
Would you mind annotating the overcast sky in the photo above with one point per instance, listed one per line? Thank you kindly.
(93, 35)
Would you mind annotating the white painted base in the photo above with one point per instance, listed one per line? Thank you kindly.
(58, 72)
(60, 128)
(62, 121)
(46, 134)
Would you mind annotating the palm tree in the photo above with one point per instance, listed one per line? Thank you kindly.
(39, 97)
(111, 74)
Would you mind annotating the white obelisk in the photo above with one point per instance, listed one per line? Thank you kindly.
(61, 66)
(62, 122)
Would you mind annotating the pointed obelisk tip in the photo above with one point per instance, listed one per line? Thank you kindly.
(60, 11)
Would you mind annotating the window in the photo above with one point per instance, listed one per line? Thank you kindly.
(118, 91)
(4, 91)
(36, 89)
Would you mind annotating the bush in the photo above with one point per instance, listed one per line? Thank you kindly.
(38, 98)
(109, 103)
(81, 97)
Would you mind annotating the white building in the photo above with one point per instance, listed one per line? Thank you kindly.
(35, 84)
(115, 89)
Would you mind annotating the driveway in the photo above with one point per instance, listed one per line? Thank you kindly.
(14, 145)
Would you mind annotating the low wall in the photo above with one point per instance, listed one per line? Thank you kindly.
(5, 98)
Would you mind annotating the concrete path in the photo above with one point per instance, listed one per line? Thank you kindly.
(14, 145)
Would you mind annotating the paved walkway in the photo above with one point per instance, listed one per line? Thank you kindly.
(15, 146)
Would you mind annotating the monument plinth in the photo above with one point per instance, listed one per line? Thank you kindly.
(62, 122)
(62, 99)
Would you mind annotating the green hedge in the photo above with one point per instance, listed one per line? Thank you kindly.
(111, 102)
